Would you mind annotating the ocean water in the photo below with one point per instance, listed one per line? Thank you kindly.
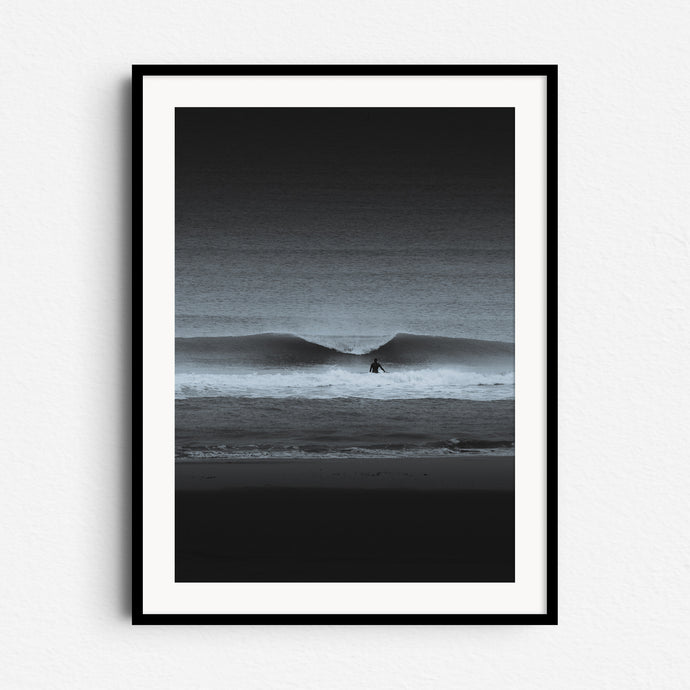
(283, 396)
(351, 285)
(310, 240)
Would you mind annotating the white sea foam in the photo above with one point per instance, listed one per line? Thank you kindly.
(225, 454)
(351, 344)
(336, 382)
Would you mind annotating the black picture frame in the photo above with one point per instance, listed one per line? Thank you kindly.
(550, 72)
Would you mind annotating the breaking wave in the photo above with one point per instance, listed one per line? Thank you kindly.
(288, 350)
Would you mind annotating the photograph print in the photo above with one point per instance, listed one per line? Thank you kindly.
(344, 350)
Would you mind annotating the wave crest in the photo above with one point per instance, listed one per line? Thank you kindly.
(281, 350)
(349, 344)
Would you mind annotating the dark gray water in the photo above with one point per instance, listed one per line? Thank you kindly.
(341, 427)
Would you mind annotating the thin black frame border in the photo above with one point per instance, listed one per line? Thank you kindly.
(551, 74)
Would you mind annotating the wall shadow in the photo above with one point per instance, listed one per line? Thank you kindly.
(124, 225)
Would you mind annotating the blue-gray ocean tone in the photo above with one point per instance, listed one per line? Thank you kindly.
(308, 242)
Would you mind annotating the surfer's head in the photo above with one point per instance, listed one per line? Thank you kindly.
(376, 360)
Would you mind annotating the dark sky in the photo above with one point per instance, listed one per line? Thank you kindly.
(340, 159)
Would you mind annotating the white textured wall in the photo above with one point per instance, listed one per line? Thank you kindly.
(624, 291)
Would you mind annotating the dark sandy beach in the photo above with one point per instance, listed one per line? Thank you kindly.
(384, 519)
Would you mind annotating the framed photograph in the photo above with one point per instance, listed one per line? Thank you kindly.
(344, 287)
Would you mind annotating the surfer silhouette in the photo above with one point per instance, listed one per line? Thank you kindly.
(375, 366)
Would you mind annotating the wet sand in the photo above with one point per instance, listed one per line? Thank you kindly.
(446, 519)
